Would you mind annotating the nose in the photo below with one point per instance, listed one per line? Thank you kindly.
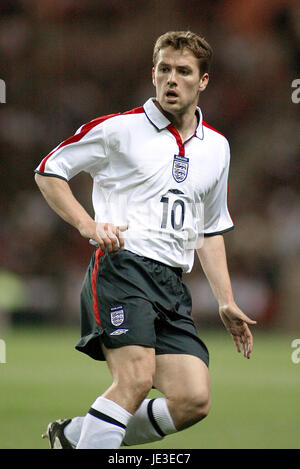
(172, 77)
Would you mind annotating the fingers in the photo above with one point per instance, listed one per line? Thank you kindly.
(249, 341)
(236, 322)
(119, 235)
(243, 340)
(109, 237)
(237, 343)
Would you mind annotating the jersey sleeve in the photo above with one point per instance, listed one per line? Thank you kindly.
(84, 151)
(217, 218)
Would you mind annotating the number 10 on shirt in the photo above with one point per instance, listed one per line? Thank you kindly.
(185, 217)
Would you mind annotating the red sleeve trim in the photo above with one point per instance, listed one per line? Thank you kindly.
(84, 130)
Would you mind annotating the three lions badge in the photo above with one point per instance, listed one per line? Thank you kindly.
(117, 315)
(180, 168)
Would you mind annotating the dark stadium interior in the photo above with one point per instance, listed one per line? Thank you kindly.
(65, 62)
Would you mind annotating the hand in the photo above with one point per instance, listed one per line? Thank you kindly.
(108, 236)
(236, 322)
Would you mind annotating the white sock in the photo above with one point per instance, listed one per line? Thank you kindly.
(139, 429)
(104, 426)
(73, 430)
(151, 422)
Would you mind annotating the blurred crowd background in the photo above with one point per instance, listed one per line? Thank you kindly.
(66, 62)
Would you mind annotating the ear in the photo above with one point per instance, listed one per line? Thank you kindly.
(153, 77)
(203, 82)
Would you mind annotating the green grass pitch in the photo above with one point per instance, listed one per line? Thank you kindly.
(255, 403)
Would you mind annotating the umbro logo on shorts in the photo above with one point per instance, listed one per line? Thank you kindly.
(119, 332)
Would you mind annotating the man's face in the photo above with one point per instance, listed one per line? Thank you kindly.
(177, 80)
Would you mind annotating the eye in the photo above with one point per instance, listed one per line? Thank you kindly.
(184, 71)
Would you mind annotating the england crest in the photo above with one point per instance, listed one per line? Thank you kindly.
(117, 315)
(180, 168)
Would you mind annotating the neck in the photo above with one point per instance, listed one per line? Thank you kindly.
(185, 122)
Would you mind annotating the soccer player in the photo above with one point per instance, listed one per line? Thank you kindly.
(159, 184)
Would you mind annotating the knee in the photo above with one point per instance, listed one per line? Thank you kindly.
(201, 408)
(141, 385)
(136, 379)
(188, 410)
(132, 369)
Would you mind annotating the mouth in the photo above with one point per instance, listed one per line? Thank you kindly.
(171, 95)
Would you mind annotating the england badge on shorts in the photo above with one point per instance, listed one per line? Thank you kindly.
(117, 315)
(180, 168)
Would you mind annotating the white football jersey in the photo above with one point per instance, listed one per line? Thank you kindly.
(170, 193)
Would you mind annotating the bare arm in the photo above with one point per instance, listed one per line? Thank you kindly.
(212, 256)
(60, 198)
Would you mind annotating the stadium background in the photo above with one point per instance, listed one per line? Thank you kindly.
(66, 62)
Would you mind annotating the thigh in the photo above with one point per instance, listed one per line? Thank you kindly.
(130, 362)
(182, 377)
